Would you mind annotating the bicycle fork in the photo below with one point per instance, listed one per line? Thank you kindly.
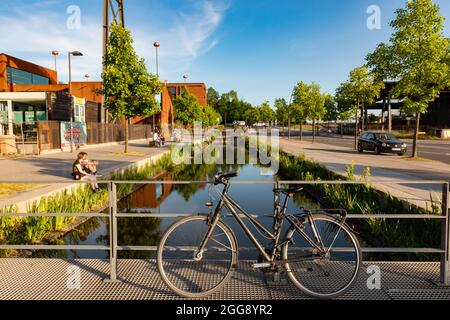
(198, 255)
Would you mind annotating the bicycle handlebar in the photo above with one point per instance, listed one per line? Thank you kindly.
(222, 177)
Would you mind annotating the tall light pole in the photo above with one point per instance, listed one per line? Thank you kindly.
(87, 77)
(289, 114)
(55, 54)
(185, 77)
(156, 44)
(70, 54)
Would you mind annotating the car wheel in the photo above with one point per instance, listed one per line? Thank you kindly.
(360, 148)
(400, 154)
(377, 150)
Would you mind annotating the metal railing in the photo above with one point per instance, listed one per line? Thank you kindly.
(113, 247)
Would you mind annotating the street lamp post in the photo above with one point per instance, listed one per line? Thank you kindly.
(55, 53)
(157, 45)
(185, 77)
(289, 115)
(70, 54)
(87, 77)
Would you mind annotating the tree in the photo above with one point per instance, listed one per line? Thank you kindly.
(315, 106)
(420, 50)
(252, 115)
(331, 107)
(213, 97)
(360, 89)
(299, 107)
(384, 68)
(128, 87)
(281, 111)
(187, 109)
(267, 113)
(211, 117)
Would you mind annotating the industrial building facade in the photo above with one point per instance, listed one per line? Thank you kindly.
(31, 94)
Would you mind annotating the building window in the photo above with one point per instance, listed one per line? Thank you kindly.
(17, 76)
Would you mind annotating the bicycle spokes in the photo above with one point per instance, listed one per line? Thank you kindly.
(189, 269)
(328, 267)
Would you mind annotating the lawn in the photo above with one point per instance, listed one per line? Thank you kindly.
(10, 189)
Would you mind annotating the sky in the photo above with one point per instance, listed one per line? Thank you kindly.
(260, 48)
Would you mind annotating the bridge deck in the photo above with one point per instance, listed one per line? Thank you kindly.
(46, 279)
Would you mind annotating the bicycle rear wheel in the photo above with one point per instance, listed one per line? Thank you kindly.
(182, 272)
(323, 277)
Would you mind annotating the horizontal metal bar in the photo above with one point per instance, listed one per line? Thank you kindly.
(54, 247)
(70, 182)
(418, 182)
(176, 215)
(402, 250)
(153, 215)
(395, 216)
(270, 216)
(365, 250)
(43, 215)
(154, 248)
(179, 215)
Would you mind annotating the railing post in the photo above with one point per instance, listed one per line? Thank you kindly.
(113, 231)
(445, 236)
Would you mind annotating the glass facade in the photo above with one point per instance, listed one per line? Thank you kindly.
(17, 76)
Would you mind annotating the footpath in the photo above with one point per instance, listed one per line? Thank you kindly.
(38, 171)
(418, 182)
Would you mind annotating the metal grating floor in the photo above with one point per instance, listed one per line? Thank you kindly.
(46, 279)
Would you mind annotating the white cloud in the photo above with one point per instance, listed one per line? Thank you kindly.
(33, 34)
(191, 34)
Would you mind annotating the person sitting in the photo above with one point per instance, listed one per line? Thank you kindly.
(80, 173)
(161, 138)
(90, 166)
(156, 139)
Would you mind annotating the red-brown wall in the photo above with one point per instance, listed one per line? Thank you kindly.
(9, 61)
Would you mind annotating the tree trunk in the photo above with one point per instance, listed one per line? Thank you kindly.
(126, 135)
(356, 128)
(301, 131)
(416, 136)
(389, 113)
(363, 118)
(314, 131)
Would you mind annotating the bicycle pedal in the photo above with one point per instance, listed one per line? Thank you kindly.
(261, 265)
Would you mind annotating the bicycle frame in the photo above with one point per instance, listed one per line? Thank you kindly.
(275, 235)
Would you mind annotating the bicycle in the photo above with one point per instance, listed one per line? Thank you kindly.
(320, 254)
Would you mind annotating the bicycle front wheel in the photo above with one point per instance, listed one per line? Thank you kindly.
(180, 267)
(322, 276)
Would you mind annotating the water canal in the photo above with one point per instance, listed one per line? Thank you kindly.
(186, 199)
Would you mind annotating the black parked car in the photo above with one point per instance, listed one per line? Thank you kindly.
(380, 142)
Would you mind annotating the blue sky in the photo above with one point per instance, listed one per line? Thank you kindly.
(260, 48)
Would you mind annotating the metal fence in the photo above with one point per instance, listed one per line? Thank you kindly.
(48, 133)
(113, 247)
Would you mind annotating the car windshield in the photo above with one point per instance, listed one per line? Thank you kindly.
(385, 136)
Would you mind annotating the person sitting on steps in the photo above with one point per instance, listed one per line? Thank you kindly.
(80, 172)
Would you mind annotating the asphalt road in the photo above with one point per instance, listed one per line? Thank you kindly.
(428, 149)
